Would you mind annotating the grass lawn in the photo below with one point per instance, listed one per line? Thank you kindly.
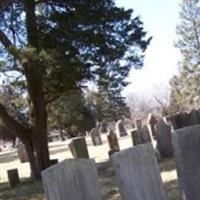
(29, 190)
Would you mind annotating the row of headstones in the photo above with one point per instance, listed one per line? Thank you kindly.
(136, 170)
(165, 127)
(184, 119)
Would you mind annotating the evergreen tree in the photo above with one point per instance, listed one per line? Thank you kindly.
(185, 87)
(52, 47)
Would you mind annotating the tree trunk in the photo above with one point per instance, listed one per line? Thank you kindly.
(35, 174)
(62, 135)
(34, 76)
(38, 118)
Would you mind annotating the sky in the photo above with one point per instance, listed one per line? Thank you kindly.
(160, 18)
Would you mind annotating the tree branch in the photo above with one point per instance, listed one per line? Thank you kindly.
(4, 4)
(14, 126)
(4, 40)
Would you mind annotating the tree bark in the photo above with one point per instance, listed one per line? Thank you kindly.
(34, 77)
(35, 174)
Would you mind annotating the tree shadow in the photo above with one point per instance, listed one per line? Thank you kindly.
(8, 157)
(167, 165)
(26, 189)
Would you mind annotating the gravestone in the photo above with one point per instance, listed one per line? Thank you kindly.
(53, 161)
(146, 135)
(113, 142)
(164, 141)
(186, 144)
(73, 179)
(151, 123)
(137, 137)
(138, 124)
(179, 120)
(22, 153)
(137, 174)
(13, 177)
(78, 148)
(120, 129)
(96, 137)
(194, 117)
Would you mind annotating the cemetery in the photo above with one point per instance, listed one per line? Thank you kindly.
(96, 103)
(119, 167)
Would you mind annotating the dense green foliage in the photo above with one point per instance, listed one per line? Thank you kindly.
(51, 48)
(185, 86)
(71, 113)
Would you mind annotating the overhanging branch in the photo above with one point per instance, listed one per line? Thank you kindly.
(14, 126)
(5, 41)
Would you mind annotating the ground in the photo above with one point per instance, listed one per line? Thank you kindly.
(29, 190)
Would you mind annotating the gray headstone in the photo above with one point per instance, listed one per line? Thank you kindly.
(22, 153)
(194, 117)
(138, 124)
(151, 123)
(96, 137)
(164, 142)
(73, 179)
(138, 174)
(186, 144)
(78, 148)
(180, 120)
(145, 134)
(137, 137)
(120, 129)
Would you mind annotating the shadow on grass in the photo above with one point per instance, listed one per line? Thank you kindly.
(56, 151)
(26, 190)
(108, 185)
(8, 157)
(52, 145)
(167, 165)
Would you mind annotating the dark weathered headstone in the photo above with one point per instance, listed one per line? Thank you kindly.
(78, 148)
(186, 144)
(113, 142)
(151, 123)
(73, 179)
(137, 137)
(53, 161)
(138, 174)
(138, 124)
(194, 117)
(179, 120)
(13, 177)
(146, 135)
(96, 137)
(164, 141)
(121, 131)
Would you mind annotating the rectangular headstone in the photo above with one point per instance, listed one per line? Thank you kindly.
(78, 148)
(164, 141)
(73, 179)
(136, 136)
(138, 174)
(113, 141)
(96, 137)
(186, 144)
(13, 177)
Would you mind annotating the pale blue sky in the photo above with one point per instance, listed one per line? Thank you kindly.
(160, 18)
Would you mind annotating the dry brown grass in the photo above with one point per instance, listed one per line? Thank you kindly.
(28, 190)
